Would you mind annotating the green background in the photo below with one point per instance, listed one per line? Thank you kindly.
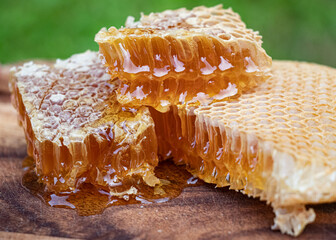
(291, 29)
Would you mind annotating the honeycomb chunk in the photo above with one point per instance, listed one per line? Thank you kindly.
(276, 142)
(183, 56)
(75, 129)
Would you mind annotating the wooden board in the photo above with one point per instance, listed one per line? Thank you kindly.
(201, 212)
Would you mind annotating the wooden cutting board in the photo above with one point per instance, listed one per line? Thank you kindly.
(203, 212)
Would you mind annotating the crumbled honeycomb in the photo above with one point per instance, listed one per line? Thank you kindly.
(276, 142)
(183, 56)
(292, 220)
(75, 129)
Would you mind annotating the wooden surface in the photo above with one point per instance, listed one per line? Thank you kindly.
(198, 213)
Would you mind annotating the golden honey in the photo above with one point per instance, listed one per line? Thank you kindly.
(204, 155)
(91, 199)
(168, 59)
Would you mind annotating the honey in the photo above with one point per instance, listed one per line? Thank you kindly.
(91, 199)
(183, 57)
(77, 132)
(190, 144)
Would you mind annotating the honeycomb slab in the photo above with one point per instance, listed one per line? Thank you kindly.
(276, 142)
(183, 56)
(77, 132)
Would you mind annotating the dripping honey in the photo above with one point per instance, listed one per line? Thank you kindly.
(91, 199)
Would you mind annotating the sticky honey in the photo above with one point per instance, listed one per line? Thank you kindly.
(91, 199)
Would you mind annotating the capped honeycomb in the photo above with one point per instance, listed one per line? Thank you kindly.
(75, 129)
(183, 56)
(276, 142)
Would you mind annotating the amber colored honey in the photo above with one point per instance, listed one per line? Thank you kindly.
(163, 71)
(206, 151)
(89, 199)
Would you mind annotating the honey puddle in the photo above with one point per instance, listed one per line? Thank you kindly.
(89, 199)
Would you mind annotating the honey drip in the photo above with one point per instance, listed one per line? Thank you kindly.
(91, 199)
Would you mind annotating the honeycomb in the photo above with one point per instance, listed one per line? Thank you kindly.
(276, 142)
(75, 129)
(183, 56)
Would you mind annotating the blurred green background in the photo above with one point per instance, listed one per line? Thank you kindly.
(291, 29)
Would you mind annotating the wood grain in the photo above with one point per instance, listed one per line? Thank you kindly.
(201, 212)
(19, 236)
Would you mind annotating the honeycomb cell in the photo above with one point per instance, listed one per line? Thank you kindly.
(183, 56)
(286, 157)
(75, 129)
